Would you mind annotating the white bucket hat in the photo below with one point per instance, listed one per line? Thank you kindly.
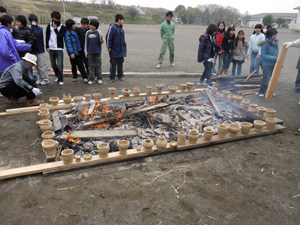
(30, 58)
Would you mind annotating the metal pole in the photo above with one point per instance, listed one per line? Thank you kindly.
(64, 10)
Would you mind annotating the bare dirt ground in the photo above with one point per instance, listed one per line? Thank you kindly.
(254, 181)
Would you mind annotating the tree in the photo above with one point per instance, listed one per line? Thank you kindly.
(111, 2)
(280, 22)
(182, 15)
(178, 8)
(268, 20)
(94, 2)
(246, 18)
(103, 2)
(132, 11)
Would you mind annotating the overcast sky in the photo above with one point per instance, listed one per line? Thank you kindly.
(253, 6)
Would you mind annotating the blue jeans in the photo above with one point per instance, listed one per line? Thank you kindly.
(239, 67)
(1, 74)
(227, 58)
(116, 64)
(207, 73)
(254, 63)
(57, 63)
(220, 64)
(297, 83)
(267, 73)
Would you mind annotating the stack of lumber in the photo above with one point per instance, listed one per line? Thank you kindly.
(242, 85)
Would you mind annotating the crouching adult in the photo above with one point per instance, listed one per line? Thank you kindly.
(17, 81)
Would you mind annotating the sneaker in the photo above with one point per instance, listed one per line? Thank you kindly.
(172, 64)
(74, 79)
(111, 80)
(210, 86)
(61, 83)
(158, 66)
(261, 95)
(56, 80)
(214, 74)
(85, 80)
(38, 82)
(200, 83)
(274, 95)
(120, 79)
(91, 82)
(99, 81)
(43, 82)
(47, 81)
(299, 103)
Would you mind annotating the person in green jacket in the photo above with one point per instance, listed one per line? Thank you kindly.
(167, 30)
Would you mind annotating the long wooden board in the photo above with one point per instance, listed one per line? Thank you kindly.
(132, 153)
(100, 133)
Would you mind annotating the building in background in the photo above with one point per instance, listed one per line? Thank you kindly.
(252, 20)
(295, 23)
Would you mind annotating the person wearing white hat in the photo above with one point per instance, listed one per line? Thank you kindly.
(17, 81)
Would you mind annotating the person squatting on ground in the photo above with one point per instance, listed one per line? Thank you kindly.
(219, 35)
(55, 33)
(83, 29)
(206, 52)
(167, 30)
(269, 54)
(73, 48)
(116, 46)
(228, 49)
(17, 81)
(38, 49)
(254, 48)
(8, 46)
(93, 49)
(240, 52)
(295, 43)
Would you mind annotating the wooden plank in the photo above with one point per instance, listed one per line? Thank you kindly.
(276, 72)
(247, 85)
(214, 104)
(101, 133)
(56, 122)
(92, 107)
(250, 75)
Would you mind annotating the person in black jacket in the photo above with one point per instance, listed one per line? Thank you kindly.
(82, 31)
(55, 33)
(228, 47)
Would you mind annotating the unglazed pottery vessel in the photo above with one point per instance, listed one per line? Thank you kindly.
(270, 123)
(181, 138)
(87, 157)
(123, 145)
(87, 97)
(97, 97)
(222, 130)
(234, 129)
(136, 91)
(253, 108)
(103, 149)
(230, 98)
(45, 125)
(261, 111)
(208, 133)
(245, 127)
(183, 87)
(54, 101)
(161, 142)
(193, 136)
(112, 92)
(172, 89)
(148, 145)
(237, 99)
(67, 156)
(148, 90)
(49, 147)
(258, 125)
(159, 88)
(270, 113)
(245, 104)
(190, 86)
(126, 92)
(48, 135)
(78, 99)
(44, 114)
(225, 94)
(67, 98)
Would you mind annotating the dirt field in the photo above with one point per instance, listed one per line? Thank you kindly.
(254, 181)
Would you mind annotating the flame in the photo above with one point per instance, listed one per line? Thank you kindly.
(70, 138)
(197, 101)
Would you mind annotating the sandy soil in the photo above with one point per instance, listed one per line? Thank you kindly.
(254, 181)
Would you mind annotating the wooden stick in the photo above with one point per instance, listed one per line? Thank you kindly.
(99, 133)
(276, 72)
(214, 104)
(250, 75)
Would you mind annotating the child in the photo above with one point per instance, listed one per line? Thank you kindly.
(269, 54)
(254, 48)
(220, 35)
(83, 29)
(92, 49)
(38, 49)
(167, 30)
(228, 47)
(240, 52)
(73, 49)
(116, 46)
(206, 52)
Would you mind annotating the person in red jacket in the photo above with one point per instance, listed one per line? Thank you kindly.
(220, 35)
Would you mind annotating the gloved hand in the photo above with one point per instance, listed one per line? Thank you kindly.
(288, 44)
(37, 92)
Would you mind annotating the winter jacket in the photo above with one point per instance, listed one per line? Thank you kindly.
(25, 35)
(15, 73)
(60, 31)
(240, 50)
(253, 43)
(38, 39)
(72, 43)
(81, 36)
(228, 43)
(220, 38)
(297, 44)
(9, 49)
(268, 53)
(115, 40)
(167, 31)
(207, 47)
(93, 42)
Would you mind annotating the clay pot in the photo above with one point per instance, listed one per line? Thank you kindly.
(173, 144)
(222, 130)
(87, 157)
(148, 145)
(190, 86)
(103, 149)
(181, 138)
(172, 89)
(67, 156)
(67, 98)
(49, 147)
(43, 105)
(148, 90)
(270, 113)
(78, 158)
(126, 92)
(245, 104)
(234, 129)
(208, 133)
(87, 97)
(183, 87)
(271, 122)
(138, 148)
(136, 91)
(123, 145)
(245, 127)
(193, 136)
(54, 101)
(258, 125)
(78, 99)
(253, 108)
(112, 92)
(237, 99)
(260, 111)
(97, 97)
(48, 135)
(161, 142)
(214, 90)
(44, 114)
(159, 88)
(45, 125)
(225, 94)
(230, 98)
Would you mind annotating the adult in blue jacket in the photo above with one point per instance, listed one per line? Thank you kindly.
(116, 46)
(8, 46)
(269, 54)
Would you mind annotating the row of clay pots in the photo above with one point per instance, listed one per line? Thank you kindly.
(49, 147)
